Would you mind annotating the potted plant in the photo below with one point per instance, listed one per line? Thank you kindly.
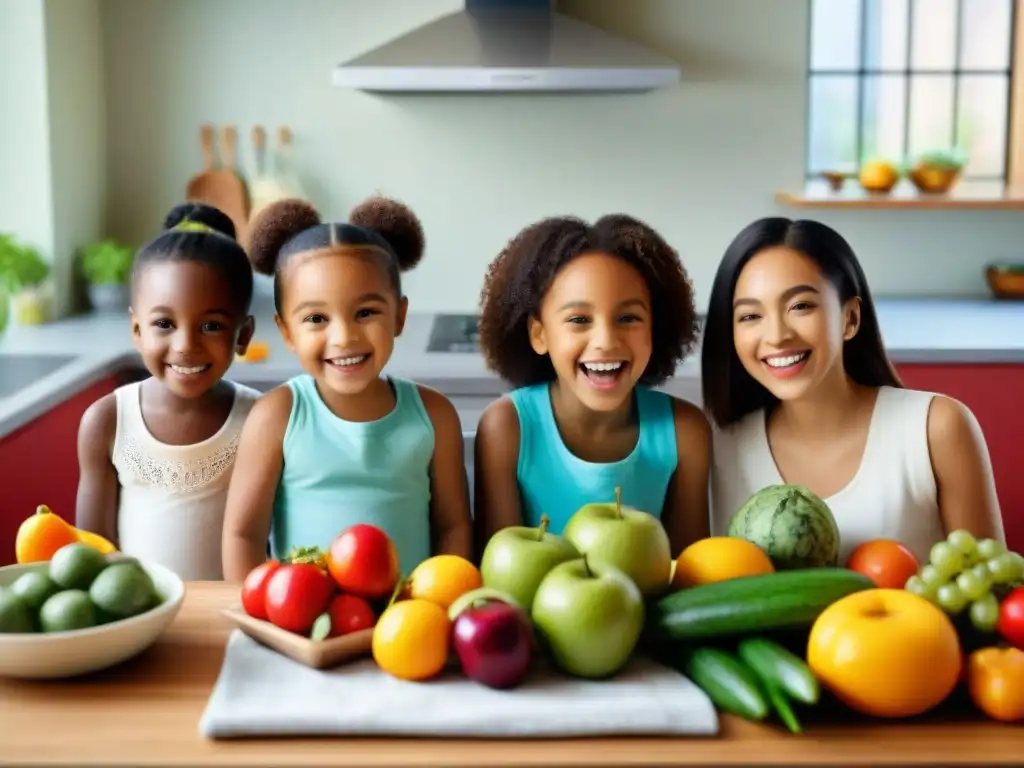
(23, 275)
(106, 266)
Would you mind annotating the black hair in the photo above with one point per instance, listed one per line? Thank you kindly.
(201, 233)
(522, 273)
(293, 226)
(729, 392)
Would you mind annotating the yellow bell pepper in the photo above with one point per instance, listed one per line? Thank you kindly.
(995, 679)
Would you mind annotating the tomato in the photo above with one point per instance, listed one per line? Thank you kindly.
(296, 594)
(887, 563)
(254, 589)
(363, 561)
(1011, 618)
(350, 614)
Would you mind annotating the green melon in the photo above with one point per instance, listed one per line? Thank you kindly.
(792, 525)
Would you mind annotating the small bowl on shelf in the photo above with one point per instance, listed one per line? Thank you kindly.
(56, 655)
(937, 172)
(1006, 281)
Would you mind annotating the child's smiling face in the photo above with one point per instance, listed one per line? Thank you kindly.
(186, 325)
(595, 325)
(340, 314)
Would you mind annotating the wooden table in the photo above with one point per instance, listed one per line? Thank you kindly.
(146, 712)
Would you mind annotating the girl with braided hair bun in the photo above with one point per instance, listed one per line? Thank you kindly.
(155, 457)
(343, 443)
(584, 320)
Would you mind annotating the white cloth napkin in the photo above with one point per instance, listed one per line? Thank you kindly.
(260, 692)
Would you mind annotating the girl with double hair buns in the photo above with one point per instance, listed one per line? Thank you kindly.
(342, 443)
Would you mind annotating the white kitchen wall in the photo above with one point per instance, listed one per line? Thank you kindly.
(52, 129)
(698, 162)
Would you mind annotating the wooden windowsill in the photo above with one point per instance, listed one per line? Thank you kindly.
(966, 194)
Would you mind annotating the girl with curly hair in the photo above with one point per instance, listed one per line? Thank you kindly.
(584, 320)
(343, 444)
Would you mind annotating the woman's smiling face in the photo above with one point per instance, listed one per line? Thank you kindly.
(789, 325)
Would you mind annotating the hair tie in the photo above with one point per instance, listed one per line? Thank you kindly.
(187, 225)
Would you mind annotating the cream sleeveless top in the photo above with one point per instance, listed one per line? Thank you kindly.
(893, 494)
(171, 505)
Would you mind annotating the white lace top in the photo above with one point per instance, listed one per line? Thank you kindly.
(171, 505)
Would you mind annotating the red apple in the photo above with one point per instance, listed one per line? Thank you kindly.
(493, 638)
(363, 561)
(1011, 618)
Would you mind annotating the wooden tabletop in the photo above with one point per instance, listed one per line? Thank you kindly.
(146, 712)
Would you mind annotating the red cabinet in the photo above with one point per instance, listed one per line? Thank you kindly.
(995, 393)
(40, 464)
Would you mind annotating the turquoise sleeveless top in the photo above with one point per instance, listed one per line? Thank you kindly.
(338, 473)
(555, 482)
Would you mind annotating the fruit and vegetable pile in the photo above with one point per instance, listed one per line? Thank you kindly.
(80, 588)
(763, 619)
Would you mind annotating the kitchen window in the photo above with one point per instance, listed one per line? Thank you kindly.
(892, 79)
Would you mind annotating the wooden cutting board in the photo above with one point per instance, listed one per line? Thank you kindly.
(219, 184)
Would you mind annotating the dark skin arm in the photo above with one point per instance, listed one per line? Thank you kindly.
(98, 489)
(254, 479)
(963, 471)
(451, 523)
(685, 514)
(496, 455)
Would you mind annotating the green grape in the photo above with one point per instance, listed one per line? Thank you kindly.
(947, 561)
(971, 586)
(917, 586)
(930, 575)
(1002, 569)
(1019, 559)
(950, 598)
(963, 542)
(989, 548)
(984, 613)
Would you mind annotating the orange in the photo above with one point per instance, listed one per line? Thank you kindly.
(42, 534)
(411, 639)
(887, 563)
(443, 579)
(885, 652)
(719, 558)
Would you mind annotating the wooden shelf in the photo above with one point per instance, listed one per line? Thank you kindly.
(966, 194)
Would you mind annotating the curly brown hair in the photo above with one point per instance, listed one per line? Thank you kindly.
(521, 275)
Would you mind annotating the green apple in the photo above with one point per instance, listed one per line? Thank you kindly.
(518, 557)
(590, 616)
(635, 542)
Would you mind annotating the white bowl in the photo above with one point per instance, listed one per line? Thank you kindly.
(51, 655)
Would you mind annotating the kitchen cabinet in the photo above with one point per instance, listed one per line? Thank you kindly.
(995, 394)
(40, 461)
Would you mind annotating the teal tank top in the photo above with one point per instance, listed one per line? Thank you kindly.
(555, 482)
(339, 473)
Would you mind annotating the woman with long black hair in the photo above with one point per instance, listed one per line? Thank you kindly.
(799, 388)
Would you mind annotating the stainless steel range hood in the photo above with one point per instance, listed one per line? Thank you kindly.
(503, 46)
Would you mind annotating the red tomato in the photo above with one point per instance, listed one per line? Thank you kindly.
(254, 589)
(887, 563)
(1011, 618)
(363, 561)
(350, 614)
(296, 594)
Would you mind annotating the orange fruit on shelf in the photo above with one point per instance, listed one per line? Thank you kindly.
(886, 562)
(885, 653)
(718, 558)
(411, 640)
(443, 579)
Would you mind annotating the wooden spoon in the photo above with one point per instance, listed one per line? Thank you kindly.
(221, 187)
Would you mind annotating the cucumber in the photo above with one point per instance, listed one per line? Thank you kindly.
(749, 604)
(729, 683)
(778, 667)
(781, 706)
